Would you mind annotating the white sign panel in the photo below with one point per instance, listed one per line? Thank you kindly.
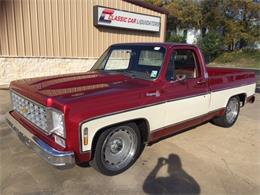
(123, 19)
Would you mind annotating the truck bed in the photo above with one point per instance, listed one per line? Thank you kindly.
(224, 78)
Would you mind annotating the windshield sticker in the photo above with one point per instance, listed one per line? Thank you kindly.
(156, 48)
(154, 74)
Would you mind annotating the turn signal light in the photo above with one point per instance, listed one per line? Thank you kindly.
(85, 136)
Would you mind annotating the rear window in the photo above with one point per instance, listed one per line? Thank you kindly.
(151, 58)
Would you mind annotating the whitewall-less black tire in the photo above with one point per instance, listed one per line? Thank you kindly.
(117, 149)
(231, 113)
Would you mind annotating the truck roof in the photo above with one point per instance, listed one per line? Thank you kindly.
(162, 44)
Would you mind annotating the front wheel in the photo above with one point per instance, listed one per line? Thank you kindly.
(231, 113)
(117, 149)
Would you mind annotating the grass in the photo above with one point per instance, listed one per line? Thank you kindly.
(242, 59)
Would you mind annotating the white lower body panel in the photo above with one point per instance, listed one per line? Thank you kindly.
(219, 99)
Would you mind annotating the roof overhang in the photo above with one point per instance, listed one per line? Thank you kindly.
(148, 6)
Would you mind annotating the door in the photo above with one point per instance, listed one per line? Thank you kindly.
(186, 90)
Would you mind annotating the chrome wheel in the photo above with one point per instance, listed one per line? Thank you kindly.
(232, 110)
(119, 148)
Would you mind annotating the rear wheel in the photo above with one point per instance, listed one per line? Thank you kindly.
(117, 149)
(231, 113)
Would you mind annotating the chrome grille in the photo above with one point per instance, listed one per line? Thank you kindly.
(34, 112)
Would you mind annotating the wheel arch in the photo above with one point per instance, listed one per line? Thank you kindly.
(142, 124)
(242, 97)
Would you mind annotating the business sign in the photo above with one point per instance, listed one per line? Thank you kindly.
(122, 19)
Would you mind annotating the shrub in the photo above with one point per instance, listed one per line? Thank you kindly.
(177, 39)
(212, 45)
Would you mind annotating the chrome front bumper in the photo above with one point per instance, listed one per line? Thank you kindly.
(51, 155)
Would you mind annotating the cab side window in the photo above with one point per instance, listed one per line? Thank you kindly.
(183, 63)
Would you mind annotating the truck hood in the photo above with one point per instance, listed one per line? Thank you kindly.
(68, 87)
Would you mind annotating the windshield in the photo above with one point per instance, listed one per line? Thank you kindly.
(142, 62)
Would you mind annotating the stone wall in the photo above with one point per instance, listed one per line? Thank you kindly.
(18, 68)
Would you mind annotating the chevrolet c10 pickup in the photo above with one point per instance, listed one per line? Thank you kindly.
(135, 95)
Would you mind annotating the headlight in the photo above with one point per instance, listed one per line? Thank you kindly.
(57, 123)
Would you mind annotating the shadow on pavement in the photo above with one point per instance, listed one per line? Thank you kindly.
(178, 181)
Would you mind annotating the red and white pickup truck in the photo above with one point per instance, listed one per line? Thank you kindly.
(135, 95)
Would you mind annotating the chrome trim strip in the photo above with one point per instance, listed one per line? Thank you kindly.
(186, 97)
(140, 107)
(158, 103)
(128, 110)
(54, 157)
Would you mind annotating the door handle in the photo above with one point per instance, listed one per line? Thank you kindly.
(200, 82)
(153, 94)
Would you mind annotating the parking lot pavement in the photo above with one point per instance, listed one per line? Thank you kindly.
(204, 160)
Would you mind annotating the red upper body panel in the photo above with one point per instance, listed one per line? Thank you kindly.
(223, 78)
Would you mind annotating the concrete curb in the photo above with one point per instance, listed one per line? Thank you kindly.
(4, 87)
(2, 118)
